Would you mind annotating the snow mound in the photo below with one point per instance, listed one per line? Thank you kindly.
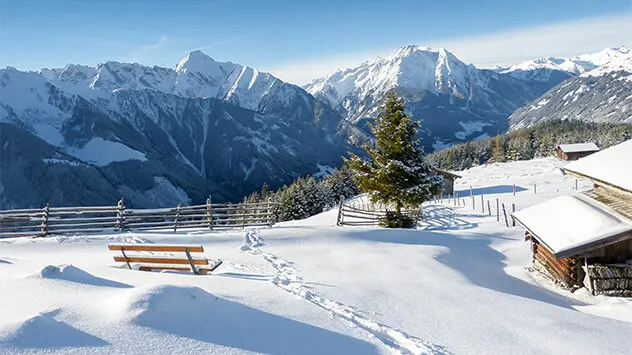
(162, 305)
(73, 274)
(193, 313)
(44, 331)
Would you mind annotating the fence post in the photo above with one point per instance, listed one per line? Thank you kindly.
(482, 204)
(44, 225)
(514, 189)
(471, 194)
(209, 213)
(473, 203)
(535, 188)
(339, 220)
(269, 212)
(513, 210)
(175, 222)
(243, 214)
(505, 213)
(576, 185)
(497, 211)
(489, 208)
(120, 215)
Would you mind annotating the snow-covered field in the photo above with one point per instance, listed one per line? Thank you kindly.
(459, 284)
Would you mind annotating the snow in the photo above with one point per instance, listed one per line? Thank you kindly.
(577, 65)
(568, 222)
(101, 152)
(460, 283)
(469, 128)
(611, 165)
(579, 147)
(49, 134)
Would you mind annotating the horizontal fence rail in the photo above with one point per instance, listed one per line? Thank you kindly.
(61, 220)
(366, 214)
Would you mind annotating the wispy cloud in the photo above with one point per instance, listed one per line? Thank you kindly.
(145, 52)
(560, 39)
(226, 41)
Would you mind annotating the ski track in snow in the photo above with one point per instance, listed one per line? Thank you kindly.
(287, 279)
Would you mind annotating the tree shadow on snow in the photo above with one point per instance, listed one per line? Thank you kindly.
(440, 217)
(472, 257)
(488, 190)
(232, 324)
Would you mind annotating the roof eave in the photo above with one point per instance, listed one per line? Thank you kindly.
(596, 181)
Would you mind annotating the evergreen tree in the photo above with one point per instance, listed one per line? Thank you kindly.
(397, 173)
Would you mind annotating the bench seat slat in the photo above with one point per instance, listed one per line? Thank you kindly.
(149, 247)
(160, 260)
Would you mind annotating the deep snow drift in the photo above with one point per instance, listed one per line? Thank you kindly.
(461, 284)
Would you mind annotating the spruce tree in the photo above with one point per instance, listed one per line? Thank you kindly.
(396, 174)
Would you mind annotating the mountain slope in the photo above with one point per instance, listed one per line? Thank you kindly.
(603, 94)
(159, 136)
(456, 101)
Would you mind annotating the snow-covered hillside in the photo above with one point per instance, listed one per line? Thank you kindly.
(458, 284)
(446, 93)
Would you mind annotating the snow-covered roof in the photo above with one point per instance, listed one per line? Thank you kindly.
(578, 147)
(612, 166)
(568, 225)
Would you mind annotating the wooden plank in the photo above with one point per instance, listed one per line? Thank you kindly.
(151, 247)
(160, 260)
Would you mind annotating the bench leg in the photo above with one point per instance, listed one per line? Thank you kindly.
(193, 268)
(125, 256)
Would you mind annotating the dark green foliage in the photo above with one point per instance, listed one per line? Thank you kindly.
(396, 174)
(523, 144)
(393, 220)
(309, 196)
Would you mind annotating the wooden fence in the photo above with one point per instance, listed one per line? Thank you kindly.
(61, 220)
(362, 213)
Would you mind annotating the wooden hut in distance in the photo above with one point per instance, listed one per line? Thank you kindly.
(575, 151)
(586, 239)
(448, 181)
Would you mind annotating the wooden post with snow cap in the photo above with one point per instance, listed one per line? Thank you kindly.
(120, 215)
(44, 225)
(209, 213)
(339, 220)
(175, 221)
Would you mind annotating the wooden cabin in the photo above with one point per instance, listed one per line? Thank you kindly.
(585, 240)
(448, 181)
(575, 151)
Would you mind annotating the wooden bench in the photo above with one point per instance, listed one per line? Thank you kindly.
(197, 264)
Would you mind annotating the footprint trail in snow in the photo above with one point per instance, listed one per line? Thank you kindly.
(287, 279)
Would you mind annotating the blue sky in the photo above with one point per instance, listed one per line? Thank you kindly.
(298, 40)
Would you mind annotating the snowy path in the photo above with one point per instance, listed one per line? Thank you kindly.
(287, 279)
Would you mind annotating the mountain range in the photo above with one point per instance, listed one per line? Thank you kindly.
(456, 101)
(158, 136)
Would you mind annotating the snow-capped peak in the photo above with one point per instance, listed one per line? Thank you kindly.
(575, 65)
(197, 61)
(411, 67)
